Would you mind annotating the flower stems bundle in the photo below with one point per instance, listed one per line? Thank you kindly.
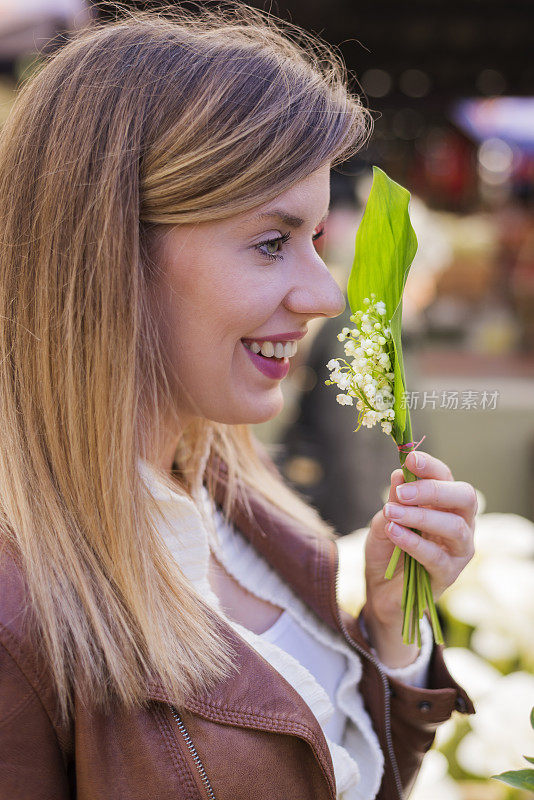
(373, 379)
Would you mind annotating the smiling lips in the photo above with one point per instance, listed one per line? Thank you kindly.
(271, 356)
(272, 367)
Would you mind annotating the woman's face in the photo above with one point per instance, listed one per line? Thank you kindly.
(222, 284)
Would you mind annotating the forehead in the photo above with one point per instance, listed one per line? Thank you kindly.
(308, 198)
(304, 202)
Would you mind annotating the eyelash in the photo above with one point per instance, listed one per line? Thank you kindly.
(282, 240)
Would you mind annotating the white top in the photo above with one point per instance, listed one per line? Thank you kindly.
(316, 660)
(327, 665)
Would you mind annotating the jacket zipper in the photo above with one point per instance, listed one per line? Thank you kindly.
(384, 678)
(192, 749)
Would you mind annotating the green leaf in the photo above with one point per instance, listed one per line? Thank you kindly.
(532, 717)
(385, 248)
(529, 759)
(521, 778)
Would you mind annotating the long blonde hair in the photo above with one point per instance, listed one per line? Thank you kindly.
(159, 118)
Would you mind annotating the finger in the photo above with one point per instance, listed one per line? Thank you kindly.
(438, 563)
(426, 466)
(446, 525)
(378, 522)
(397, 477)
(452, 495)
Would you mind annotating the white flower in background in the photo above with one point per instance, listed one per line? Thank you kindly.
(518, 541)
(493, 644)
(494, 593)
(501, 731)
(477, 677)
(433, 782)
(368, 376)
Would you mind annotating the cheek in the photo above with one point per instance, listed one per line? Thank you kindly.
(202, 332)
(207, 310)
(239, 306)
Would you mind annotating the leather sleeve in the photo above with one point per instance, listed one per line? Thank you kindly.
(415, 714)
(31, 762)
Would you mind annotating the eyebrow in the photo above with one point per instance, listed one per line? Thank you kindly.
(288, 219)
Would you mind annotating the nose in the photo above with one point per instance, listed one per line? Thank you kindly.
(314, 291)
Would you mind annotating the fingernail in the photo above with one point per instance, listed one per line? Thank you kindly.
(393, 511)
(394, 531)
(406, 492)
(420, 460)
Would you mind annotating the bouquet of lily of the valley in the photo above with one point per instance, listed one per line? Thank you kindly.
(373, 377)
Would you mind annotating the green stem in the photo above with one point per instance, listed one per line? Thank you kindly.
(419, 603)
(406, 574)
(408, 477)
(436, 627)
(415, 617)
(410, 597)
(392, 566)
(407, 570)
(416, 592)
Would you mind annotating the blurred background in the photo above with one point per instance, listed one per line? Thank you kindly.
(451, 90)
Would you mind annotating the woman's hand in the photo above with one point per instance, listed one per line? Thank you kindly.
(444, 511)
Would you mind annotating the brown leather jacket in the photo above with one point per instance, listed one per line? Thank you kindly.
(252, 737)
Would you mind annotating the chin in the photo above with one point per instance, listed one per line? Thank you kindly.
(259, 411)
(252, 413)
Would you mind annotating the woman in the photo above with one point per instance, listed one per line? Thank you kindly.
(163, 180)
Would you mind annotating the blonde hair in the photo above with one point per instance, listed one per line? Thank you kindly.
(158, 118)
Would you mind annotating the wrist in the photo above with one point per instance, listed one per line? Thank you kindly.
(385, 637)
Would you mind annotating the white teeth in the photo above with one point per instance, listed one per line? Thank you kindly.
(267, 349)
(270, 349)
(290, 348)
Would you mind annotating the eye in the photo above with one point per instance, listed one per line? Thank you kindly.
(272, 246)
(274, 256)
